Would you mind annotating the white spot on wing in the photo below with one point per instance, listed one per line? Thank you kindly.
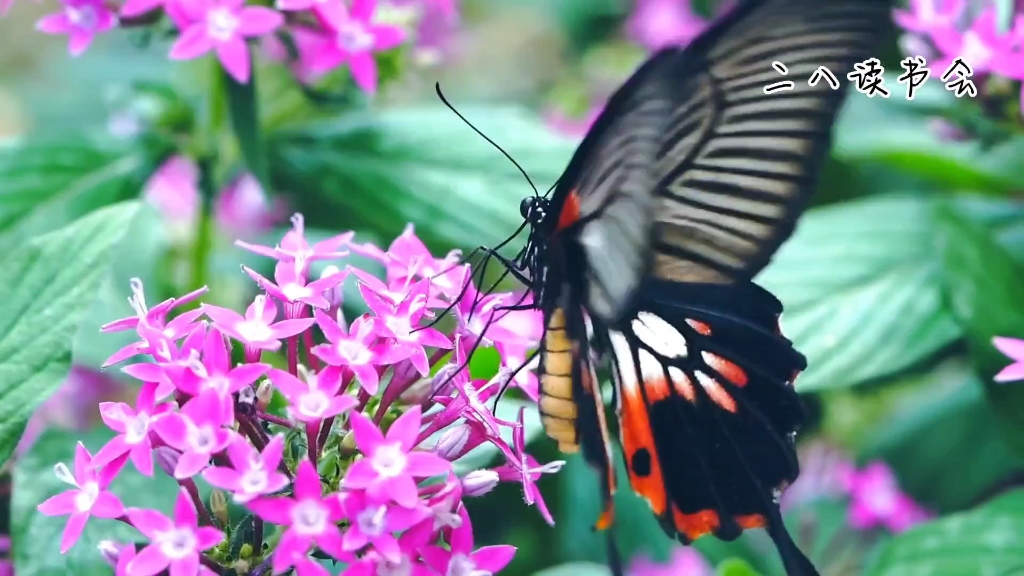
(659, 335)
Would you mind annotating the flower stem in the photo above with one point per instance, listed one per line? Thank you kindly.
(213, 565)
(257, 535)
(193, 491)
(274, 419)
(312, 434)
(293, 356)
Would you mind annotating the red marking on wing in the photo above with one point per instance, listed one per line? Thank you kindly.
(726, 368)
(683, 385)
(716, 392)
(636, 436)
(657, 389)
(695, 525)
(751, 521)
(701, 328)
(570, 211)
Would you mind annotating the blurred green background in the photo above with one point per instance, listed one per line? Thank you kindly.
(909, 262)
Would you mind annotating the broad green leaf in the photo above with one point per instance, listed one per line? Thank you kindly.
(576, 569)
(44, 186)
(985, 293)
(736, 567)
(420, 165)
(36, 538)
(898, 133)
(49, 286)
(860, 286)
(943, 413)
(983, 541)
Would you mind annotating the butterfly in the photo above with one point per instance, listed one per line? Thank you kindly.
(643, 259)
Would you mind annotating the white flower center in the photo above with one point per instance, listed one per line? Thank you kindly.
(177, 543)
(84, 17)
(220, 384)
(355, 353)
(202, 439)
(371, 521)
(401, 327)
(881, 500)
(353, 37)
(254, 481)
(136, 429)
(221, 24)
(389, 460)
(309, 518)
(294, 291)
(400, 568)
(86, 497)
(313, 403)
(254, 330)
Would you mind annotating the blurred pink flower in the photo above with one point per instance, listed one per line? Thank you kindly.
(657, 24)
(73, 405)
(308, 43)
(572, 126)
(243, 209)
(461, 558)
(824, 470)
(173, 190)
(981, 46)
(431, 22)
(925, 16)
(878, 501)
(355, 38)
(81, 21)
(223, 26)
(684, 560)
(1014, 348)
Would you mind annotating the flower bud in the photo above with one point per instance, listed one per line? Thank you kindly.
(167, 459)
(111, 551)
(219, 506)
(479, 482)
(335, 295)
(264, 394)
(453, 443)
(441, 384)
(417, 392)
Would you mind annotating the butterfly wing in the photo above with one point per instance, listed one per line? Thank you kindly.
(707, 409)
(692, 158)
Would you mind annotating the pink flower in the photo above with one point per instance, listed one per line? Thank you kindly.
(684, 560)
(315, 399)
(81, 20)
(402, 322)
(407, 259)
(355, 40)
(214, 372)
(310, 518)
(198, 431)
(656, 24)
(981, 46)
(925, 16)
(174, 544)
(223, 26)
(257, 329)
(293, 291)
(294, 246)
(1013, 348)
(877, 500)
(173, 190)
(242, 208)
(89, 496)
(133, 427)
(254, 473)
(357, 350)
(309, 42)
(390, 464)
(524, 468)
(462, 559)
(375, 523)
(569, 126)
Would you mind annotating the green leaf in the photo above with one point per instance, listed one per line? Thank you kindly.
(982, 541)
(860, 286)
(896, 132)
(983, 284)
(48, 286)
(47, 185)
(36, 538)
(944, 413)
(420, 165)
(243, 109)
(736, 567)
(576, 569)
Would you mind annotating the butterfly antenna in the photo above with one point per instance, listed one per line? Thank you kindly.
(437, 88)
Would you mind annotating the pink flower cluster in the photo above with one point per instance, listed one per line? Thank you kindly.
(943, 30)
(358, 394)
(327, 34)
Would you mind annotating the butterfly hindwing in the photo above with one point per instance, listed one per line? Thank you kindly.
(707, 408)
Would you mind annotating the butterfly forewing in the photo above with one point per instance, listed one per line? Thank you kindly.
(739, 164)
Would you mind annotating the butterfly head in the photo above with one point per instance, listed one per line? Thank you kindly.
(533, 209)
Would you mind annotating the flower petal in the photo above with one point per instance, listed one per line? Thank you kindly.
(192, 43)
(259, 20)
(234, 56)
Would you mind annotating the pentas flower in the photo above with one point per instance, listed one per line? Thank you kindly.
(878, 501)
(253, 473)
(925, 16)
(223, 26)
(243, 208)
(175, 544)
(88, 497)
(1014, 349)
(355, 37)
(81, 21)
(174, 191)
(656, 24)
(683, 560)
(292, 288)
(362, 472)
(407, 259)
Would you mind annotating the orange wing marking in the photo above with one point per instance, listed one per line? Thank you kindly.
(570, 211)
(701, 328)
(695, 525)
(715, 390)
(726, 368)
